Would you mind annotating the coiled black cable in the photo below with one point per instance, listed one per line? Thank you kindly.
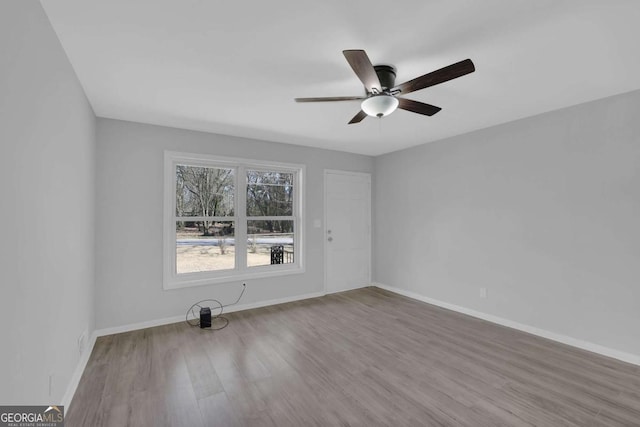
(196, 322)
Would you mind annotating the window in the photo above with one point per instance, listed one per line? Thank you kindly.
(230, 219)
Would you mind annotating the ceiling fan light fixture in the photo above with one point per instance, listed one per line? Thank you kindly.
(379, 105)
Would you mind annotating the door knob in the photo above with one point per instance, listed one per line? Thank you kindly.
(330, 239)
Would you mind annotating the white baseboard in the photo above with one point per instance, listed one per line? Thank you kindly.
(229, 309)
(136, 326)
(585, 345)
(77, 373)
(84, 358)
(574, 342)
(233, 308)
(180, 318)
(347, 289)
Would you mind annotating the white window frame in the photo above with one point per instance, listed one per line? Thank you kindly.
(172, 280)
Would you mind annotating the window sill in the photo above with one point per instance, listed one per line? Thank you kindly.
(171, 283)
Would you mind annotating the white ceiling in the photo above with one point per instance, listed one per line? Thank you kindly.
(234, 67)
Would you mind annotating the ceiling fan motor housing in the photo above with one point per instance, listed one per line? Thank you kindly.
(386, 75)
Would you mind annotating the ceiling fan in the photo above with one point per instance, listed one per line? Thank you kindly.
(381, 98)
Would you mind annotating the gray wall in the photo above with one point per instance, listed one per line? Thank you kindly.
(544, 212)
(47, 162)
(129, 219)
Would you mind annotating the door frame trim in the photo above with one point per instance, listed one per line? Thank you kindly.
(324, 228)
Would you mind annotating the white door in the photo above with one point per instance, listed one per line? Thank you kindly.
(347, 230)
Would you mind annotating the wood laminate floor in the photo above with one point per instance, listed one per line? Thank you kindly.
(362, 358)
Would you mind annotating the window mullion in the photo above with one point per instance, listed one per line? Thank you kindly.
(204, 218)
(271, 218)
(241, 215)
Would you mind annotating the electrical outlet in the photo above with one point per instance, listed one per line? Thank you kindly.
(483, 292)
(81, 343)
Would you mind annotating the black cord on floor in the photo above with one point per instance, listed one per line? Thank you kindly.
(213, 317)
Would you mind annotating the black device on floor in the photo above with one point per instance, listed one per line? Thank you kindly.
(205, 317)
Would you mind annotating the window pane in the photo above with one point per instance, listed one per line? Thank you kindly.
(269, 193)
(204, 246)
(204, 191)
(269, 242)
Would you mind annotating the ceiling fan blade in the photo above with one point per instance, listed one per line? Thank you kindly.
(417, 107)
(358, 117)
(363, 68)
(331, 98)
(442, 75)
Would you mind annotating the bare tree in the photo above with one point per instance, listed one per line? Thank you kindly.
(270, 194)
(204, 192)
